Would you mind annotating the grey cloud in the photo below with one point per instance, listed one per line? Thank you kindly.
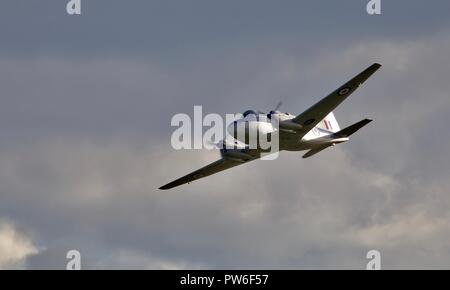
(85, 143)
(170, 28)
(15, 246)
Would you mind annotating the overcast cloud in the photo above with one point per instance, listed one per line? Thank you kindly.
(85, 134)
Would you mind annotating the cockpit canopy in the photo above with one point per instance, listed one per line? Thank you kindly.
(248, 112)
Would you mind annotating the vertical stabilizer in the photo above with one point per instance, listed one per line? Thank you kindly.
(329, 123)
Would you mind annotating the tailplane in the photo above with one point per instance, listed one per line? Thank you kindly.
(346, 132)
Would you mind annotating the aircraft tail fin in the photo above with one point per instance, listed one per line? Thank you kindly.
(329, 123)
(346, 132)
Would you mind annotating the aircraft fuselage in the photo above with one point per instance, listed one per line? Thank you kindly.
(286, 133)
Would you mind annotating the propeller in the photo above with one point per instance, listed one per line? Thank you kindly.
(222, 144)
(218, 145)
(280, 103)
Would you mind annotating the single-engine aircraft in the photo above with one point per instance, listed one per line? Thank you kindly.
(314, 130)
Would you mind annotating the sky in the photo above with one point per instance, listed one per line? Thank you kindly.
(86, 105)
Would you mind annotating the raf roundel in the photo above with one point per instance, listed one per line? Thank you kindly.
(344, 91)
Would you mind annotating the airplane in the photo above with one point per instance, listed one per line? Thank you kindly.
(314, 130)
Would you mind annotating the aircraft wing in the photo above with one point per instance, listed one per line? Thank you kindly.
(320, 110)
(217, 166)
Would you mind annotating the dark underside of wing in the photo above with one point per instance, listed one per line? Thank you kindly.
(217, 166)
(321, 109)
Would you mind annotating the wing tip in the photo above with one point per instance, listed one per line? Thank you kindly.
(375, 66)
(166, 187)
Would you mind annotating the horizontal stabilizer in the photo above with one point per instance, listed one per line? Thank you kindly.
(340, 134)
(315, 150)
(352, 129)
